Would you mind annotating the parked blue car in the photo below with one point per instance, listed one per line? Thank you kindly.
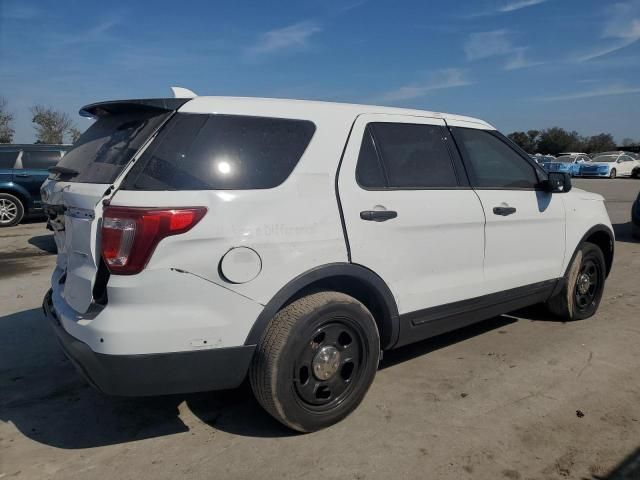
(23, 169)
(566, 164)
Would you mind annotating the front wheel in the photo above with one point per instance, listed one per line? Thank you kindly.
(11, 210)
(316, 361)
(613, 173)
(583, 285)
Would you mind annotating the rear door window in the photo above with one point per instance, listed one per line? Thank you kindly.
(105, 148)
(8, 160)
(413, 155)
(221, 152)
(40, 159)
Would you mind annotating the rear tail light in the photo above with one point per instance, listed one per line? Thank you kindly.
(130, 234)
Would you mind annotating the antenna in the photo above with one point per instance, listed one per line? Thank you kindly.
(180, 92)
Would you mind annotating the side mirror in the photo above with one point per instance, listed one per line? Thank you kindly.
(558, 182)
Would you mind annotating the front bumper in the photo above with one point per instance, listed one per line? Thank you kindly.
(156, 373)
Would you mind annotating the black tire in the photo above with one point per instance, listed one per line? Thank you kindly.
(283, 372)
(578, 299)
(11, 210)
(635, 231)
(635, 173)
(613, 173)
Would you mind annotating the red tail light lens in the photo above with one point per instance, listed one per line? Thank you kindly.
(130, 234)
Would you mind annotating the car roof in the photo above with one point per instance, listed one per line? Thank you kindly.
(308, 109)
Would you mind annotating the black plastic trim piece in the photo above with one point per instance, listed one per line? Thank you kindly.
(339, 272)
(378, 215)
(596, 228)
(429, 322)
(115, 106)
(337, 190)
(157, 373)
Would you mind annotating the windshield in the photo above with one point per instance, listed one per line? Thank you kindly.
(606, 158)
(102, 152)
(566, 159)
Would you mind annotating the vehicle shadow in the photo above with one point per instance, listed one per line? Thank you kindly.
(46, 243)
(48, 402)
(408, 352)
(623, 233)
(628, 469)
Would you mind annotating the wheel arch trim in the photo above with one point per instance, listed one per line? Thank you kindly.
(389, 320)
(608, 255)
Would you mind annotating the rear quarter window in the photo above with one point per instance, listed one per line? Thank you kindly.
(221, 152)
(40, 160)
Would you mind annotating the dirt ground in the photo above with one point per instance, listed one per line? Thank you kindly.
(515, 397)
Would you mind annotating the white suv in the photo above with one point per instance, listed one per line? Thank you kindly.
(204, 240)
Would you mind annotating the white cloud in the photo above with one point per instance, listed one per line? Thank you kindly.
(520, 60)
(286, 38)
(498, 43)
(441, 79)
(621, 29)
(488, 44)
(607, 91)
(517, 5)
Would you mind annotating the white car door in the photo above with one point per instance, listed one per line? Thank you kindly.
(408, 214)
(525, 226)
(626, 165)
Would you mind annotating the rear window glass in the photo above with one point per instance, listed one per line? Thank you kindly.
(8, 160)
(222, 152)
(102, 152)
(40, 160)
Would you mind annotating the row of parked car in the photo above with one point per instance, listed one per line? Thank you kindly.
(605, 164)
(23, 169)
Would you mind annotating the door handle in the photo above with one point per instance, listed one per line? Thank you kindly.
(22, 175)
(378, 215)
(504, 211)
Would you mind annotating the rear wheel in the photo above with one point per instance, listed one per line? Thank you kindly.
(583, 286)
(613, 173)
(11, 210)
(316, 361)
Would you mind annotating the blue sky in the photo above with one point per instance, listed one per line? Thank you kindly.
(518, 64)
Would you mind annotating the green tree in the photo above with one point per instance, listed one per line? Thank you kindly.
(6, 120)
(74, 134)
(527, 141)
(555, 140)
(602, 142)
(51, 125)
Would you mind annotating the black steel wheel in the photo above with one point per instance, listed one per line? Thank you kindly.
(583, 286)
(587, 283)
(329, 364)
(316, 360)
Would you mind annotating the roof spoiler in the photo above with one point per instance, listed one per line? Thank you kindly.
(100, 109)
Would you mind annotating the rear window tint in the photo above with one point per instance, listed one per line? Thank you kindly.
(40, 160)
(222, 152)
(8, 160)
(105, 148)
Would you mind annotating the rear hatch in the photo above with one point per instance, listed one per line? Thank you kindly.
(89, 173)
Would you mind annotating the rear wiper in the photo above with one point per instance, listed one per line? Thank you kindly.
(63, 170)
